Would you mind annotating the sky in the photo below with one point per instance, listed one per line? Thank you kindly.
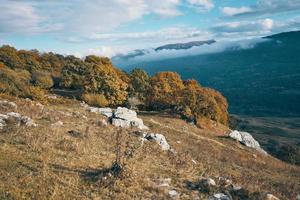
(111, 27)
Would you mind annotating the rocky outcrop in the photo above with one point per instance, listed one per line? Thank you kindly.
(17, 119)
(246, 139)
(120, 117)
(107, 112)
(126, 118)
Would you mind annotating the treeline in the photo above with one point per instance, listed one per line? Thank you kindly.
(31, 74)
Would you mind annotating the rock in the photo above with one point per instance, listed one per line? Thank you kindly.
(298, 197)
(14, 115)
(103, 111)
(125, 118)
(207, 182)
(219, 196)
(9, 104)
(103, 123)
(17, 119)
(246, 139)
(125, 113)
(271, 197)
(165, 182)
(106, 112)
(27, 121)
(225, 182)
(160, 139)
(204, 185)
(57, 124)
(120, 123)
(173, 194)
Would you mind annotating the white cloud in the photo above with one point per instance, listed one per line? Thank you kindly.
(164, 35)
(78, 17)
(230, 11)
(17, 17)
(258, 26)
(219, 46)
(202, 5)
(263, 7)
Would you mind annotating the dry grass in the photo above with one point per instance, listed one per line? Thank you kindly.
(48, 162)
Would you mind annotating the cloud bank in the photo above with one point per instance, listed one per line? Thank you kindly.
(220, 46)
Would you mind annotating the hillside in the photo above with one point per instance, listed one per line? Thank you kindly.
(259, 81)
(69, 154)
(261, 84)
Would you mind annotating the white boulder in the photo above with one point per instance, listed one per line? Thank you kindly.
(10, 104)
(126, 118)
(246, 139)
(173, 194)
(159, 139)
(271, 197)
(120, 123)
(18, 120)
(125, 113)
(103, 111)
(219, 196)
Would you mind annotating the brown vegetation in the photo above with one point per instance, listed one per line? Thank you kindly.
(30, 74)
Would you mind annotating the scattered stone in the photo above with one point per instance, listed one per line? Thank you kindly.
(247, 140)
(83, 104)
(160, 139)
(9, 104)
(219, 196)
(16, 119)
(207, 182)
(204, 185)
(57, 124)
(173, 194)
(271, 197)
(51, 96)
(225, 182)
(103, 123)
(27, 121)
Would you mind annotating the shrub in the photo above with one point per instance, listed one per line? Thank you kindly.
(42, 80)
(139, 83)
(197, 102)
(14, 82)
(36, 93)
(95, 99)
(106, 80)
(165, 90)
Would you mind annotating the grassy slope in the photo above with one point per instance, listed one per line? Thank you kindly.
(48, 163)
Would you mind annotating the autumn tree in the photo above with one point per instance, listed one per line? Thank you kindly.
(103, 78)
(197, 102)
(165, 90)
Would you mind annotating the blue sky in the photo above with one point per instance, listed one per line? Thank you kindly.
(106, 28)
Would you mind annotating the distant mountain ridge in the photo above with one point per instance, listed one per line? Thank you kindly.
(187, 45)
(175, 46)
